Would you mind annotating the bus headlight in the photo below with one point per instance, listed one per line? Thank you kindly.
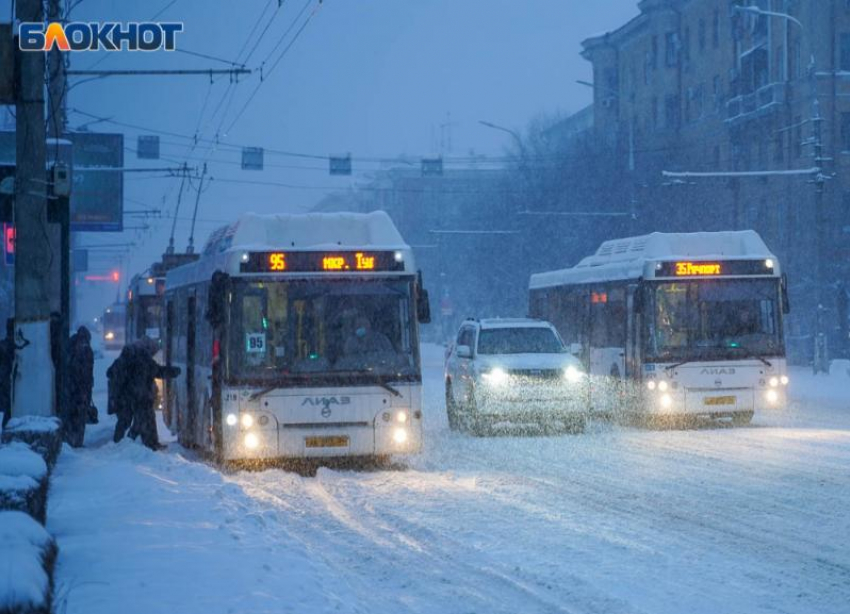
(783, 380)
(401, 416)
(773, 381)
(400, 436)
(666, 401)
(109, 336)
(651, 384)
(772, 396)
(572, 374)
(496, 376)
(662, 386)
(231, 419)
(247, 421)
(251, 441)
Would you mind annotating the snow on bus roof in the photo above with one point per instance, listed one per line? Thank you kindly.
(307, 231)
(625, 258)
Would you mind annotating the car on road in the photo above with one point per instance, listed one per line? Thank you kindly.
(509, 375)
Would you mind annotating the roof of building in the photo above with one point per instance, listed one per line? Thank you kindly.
(625, 258)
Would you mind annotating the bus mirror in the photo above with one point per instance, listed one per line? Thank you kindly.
(463, 351)
(786, 304)
(423, 305)
(217, 299)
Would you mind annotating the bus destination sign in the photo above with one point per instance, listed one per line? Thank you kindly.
(726, 268)
(321, 262)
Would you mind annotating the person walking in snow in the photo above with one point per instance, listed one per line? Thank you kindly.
(80, 383)
(119, 402)
(141, 389)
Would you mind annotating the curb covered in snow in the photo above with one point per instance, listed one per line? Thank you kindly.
(42, 434)
(26, 567)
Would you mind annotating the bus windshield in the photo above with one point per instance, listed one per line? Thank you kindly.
(306, 331)
(713, 319)
(147, 316)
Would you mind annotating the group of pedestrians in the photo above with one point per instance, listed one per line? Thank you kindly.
(132, 391)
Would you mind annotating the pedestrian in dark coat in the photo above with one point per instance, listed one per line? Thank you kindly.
(80, 383)
(8, 347)
(142, 389)
(120, 402)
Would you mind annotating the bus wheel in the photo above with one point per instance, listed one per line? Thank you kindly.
(451, 407)
(742, 418)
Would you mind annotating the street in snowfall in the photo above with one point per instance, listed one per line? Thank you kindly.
(445, 307)
(613, 520)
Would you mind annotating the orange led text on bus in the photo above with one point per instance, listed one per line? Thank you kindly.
(691, 269)
(277, 261)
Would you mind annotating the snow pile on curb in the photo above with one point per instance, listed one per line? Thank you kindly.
(23, 480)
(41, 433)
(26, 565)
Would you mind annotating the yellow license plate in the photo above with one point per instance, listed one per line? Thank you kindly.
(719, 400)
(337, 441)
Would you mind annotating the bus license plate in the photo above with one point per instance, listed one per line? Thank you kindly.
(719, 400)
(336, 441)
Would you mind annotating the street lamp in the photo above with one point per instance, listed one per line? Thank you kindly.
(821, 360)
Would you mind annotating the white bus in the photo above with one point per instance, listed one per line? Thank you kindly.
(297, 336)
(674, 326)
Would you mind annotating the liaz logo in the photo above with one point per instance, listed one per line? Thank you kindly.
(94, 36)
(325, 401)
(718, 371)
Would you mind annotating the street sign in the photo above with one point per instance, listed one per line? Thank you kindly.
(147, 147)
(97, 193)
(81, 260)
(7, 65)
(340, 165)
(252, 158)
(432, 166)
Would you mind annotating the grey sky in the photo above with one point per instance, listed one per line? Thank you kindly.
(373, 77)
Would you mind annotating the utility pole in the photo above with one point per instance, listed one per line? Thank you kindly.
(34, 380)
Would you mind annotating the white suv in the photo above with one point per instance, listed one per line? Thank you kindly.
(509, 374)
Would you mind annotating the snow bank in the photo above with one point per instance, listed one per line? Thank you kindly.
(23, 480)
(41, 433)
(26, 565)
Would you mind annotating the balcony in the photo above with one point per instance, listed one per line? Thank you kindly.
(757, 104)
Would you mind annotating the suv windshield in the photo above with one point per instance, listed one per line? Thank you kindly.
(297, 330)
(536, 340)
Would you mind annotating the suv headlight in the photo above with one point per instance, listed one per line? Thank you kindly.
(573, 375)
(495, 376)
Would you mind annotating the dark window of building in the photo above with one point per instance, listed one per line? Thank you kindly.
(845, 132)
(654, 112)
(797, 137)
(844, 60)
(671, 111)
(653, 54)
(715, 29)
(779, 147)
(716, 156)
(686, 45)
(717, 91)
(795, 64)
(670, 48)
(701, 34)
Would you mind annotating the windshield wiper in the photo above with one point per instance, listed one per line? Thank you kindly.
(262, 392)
(678, 364)
(751, 354)
(389, 388)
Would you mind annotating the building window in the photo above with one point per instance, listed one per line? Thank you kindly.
(653, 54)
(716, 156)
(671, 111)
(777, 70)
(717, 91)
(845, 132)
(844, 60)
(797, 137)
(795, 64)
(779, 147)
(701, 34)
(671, 44)
(686, 45)
(654, 112)
(715, 29)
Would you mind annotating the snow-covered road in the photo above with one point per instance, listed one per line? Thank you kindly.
(614, 520)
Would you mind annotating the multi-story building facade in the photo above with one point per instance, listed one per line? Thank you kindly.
(744, 99)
